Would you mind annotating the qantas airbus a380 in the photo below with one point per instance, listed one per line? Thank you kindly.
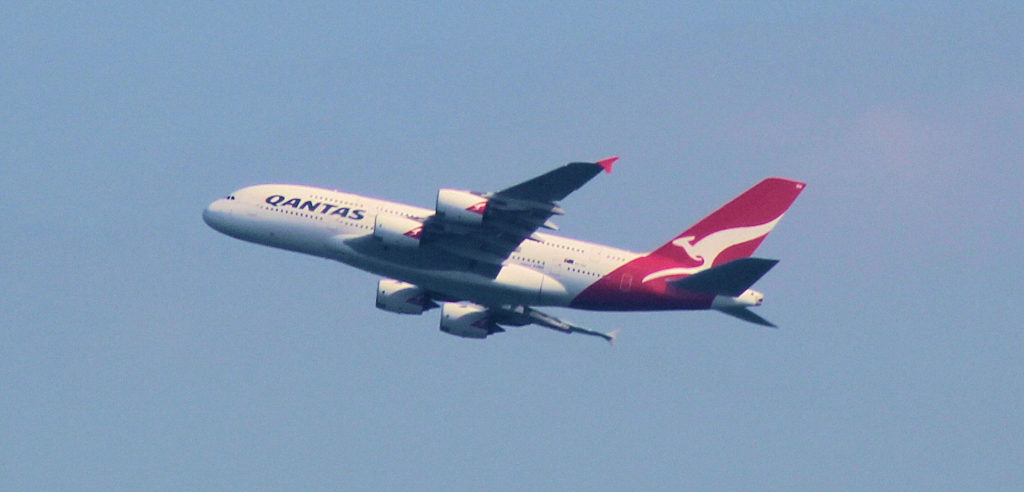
(480, 257)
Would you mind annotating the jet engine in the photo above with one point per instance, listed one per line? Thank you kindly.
(402, 298)
(393, 230)
(461, 206)
(467, 320)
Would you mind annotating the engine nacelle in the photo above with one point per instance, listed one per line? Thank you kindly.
(467, 320)
(402, 298)
(461, 206)
(393, 230)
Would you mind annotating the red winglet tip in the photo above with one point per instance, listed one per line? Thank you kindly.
(607, 163)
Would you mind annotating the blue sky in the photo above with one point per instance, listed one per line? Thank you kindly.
(141, 349)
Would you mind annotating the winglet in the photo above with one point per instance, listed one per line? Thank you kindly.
(606, 164)
(611, 336)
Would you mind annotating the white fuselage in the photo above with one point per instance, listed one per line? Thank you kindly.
(546, 270)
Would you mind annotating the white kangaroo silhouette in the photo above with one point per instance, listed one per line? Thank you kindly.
(707, 249)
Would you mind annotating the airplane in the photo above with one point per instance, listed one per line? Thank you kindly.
(482, 258)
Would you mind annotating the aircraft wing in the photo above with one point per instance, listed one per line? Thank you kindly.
(523, 315)
(556, 185)
(510, 216)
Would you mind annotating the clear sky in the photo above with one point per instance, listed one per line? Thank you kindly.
(141, 349)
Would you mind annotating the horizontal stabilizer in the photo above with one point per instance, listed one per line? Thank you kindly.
(730, 279)
(747, 315)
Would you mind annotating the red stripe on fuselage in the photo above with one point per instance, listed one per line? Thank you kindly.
(623, 290)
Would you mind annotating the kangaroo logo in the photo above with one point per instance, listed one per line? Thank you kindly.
(706, 250)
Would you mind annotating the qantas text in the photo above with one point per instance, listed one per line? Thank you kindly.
(311, 206)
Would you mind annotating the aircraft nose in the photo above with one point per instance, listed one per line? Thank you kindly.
(217, 214)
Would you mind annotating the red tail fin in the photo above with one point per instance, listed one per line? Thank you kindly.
(733, 231)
